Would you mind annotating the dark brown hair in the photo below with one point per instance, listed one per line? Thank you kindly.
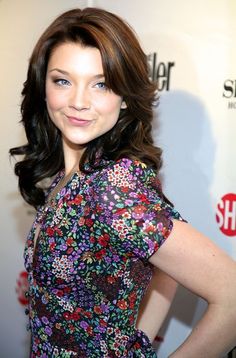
(126, 73)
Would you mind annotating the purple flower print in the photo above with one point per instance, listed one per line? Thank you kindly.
(48, 331)
(84, 324)
(45, 320)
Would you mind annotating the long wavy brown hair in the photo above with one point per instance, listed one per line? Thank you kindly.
(126, 73)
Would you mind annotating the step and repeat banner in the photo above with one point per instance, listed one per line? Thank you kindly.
(191, 52)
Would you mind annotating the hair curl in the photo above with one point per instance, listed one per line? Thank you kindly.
(126, 74)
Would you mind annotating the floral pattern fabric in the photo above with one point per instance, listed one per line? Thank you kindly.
(88, 269)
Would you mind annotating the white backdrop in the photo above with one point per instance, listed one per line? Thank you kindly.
(197, 130)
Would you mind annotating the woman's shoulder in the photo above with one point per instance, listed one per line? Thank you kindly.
(133, 166)
(128, 172)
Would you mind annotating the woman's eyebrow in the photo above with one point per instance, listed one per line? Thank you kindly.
(98, 76)
(59, 70)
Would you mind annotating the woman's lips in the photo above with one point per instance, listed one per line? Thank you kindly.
(81, 122)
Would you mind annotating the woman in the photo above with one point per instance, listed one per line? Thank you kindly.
(104, 223)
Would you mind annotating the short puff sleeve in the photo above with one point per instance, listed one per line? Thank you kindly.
(135, 208)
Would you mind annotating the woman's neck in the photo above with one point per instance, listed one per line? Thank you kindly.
(72, 155)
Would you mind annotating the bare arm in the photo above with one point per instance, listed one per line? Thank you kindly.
(198, 264)
(156, 303)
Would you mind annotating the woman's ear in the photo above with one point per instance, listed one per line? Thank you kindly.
(123, 105)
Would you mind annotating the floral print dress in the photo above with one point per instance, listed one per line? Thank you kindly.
(88, 269)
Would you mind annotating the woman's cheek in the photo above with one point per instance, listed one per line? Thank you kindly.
(107, 104)
(56, 100)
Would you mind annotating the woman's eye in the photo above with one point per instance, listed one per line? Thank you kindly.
(101, 85)
(61, 82)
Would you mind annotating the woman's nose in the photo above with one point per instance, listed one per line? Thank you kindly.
(80, 99)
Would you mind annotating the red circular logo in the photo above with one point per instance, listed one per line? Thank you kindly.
(22, 287)
(226, 214)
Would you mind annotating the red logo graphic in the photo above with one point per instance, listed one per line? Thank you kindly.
(22, 287)
(159, 339)
(226, 214)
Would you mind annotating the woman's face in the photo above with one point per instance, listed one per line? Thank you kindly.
(78, 101)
